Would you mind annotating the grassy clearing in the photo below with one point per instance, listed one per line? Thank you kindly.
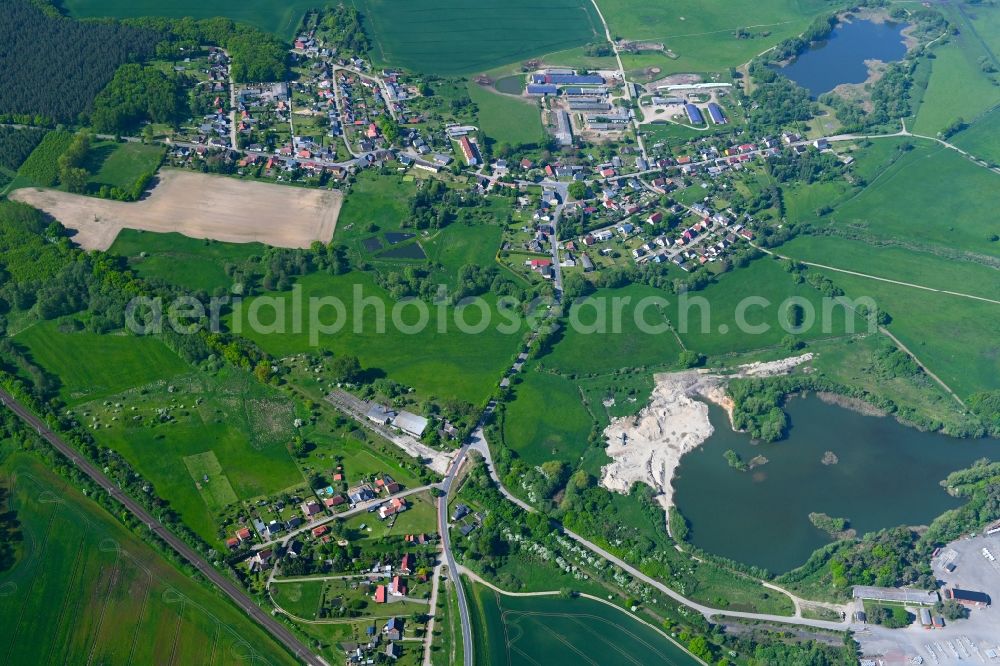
(954, 212)
(547, 420)
(956, 74)
(91, 366)
(507, 119)
(896, 263)
(449, 364)
(210, 480)
(280, 18)
(196, 264)
(70, 596)
(982, 138)
(703, 33)
(245, 424)
(552, 629)
(121, 164)
(711, 326)
(598, 340)
(453, 37)
(956, 338)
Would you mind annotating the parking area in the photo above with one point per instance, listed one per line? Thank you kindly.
(975, 640)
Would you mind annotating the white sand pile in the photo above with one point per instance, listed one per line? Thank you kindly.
(647, 448)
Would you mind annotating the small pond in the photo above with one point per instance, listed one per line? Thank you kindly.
(841, 58)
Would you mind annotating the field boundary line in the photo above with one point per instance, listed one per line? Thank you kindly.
(880, 279)
(478, 579)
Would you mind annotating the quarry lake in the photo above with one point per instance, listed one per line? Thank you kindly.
(885, 475)
(841, 58)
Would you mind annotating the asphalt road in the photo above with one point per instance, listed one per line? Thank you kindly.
(449, 557)
(276, 629)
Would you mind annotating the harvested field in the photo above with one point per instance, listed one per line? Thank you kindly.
(199, 206)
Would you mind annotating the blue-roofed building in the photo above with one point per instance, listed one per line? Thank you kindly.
(694, 114)
(563, 79)
(542, 89)
(718, 117)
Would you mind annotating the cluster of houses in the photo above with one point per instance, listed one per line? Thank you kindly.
(391, 634)
(467, 520)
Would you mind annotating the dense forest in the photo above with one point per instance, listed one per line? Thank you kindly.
(53, 67)
(138, 94)
(342, 25)
(16, 145)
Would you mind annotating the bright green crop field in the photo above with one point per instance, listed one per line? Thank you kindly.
(519, 631)
(82, 589)
(282, 18)
(703, 32)
(457, 37)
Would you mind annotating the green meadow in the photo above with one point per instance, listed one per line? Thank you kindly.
(121, 164)
(195, 264)
(896, 263)
(546, 419)
(91, 366)
(282, 18)
(957, 73)
(455, 37)
(953, 207)
(616, 329)
(708, 321)
(982, 138)
(957, 338)
(702, 33)
(436, 360)
(84, 589)
(518, 631)
(178, 427)
(507, 119)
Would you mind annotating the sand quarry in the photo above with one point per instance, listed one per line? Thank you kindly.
(199, 206)
(647, 447)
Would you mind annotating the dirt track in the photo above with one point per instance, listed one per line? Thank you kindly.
(199, 206)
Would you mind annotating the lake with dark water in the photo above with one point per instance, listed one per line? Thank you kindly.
(841, 58)
(886, 475)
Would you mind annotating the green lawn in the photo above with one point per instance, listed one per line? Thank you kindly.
(84, 588)
(547, 420)
(516, 631)
(448, 364)
(702, 33)
(282, 18)
(211, 480)
(953, 208)
(507, 119)
(604, 333)
(454, 37)
(121, 164)
(91, 366)
(196, 264)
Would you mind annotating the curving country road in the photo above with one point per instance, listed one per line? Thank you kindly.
(272, 626)
(449, 557)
